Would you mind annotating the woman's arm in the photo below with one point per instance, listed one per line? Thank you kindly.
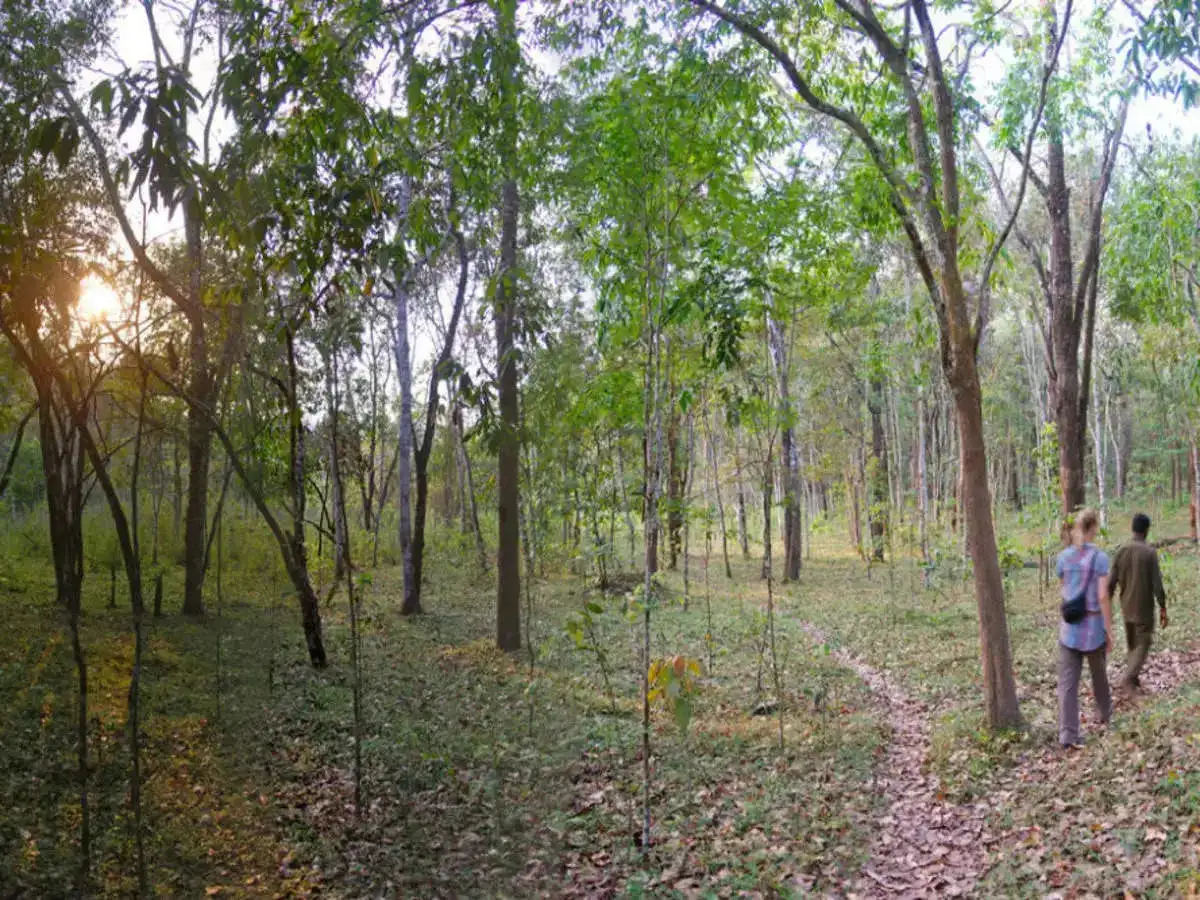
(1106, 608)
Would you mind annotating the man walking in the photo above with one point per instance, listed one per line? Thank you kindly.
(1136, 575)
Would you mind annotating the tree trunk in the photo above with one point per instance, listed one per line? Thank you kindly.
(508, 568)
(793, 548)
(676, 466)
(1101, 461)
(743, 530)
(412, 602)
(470, 509)
(686, 507)
(877, 474)
(195, 541)
(338, 500)
(1195, 489)
(716, 481)
(1000, 693)
(922, 482)
(625, 504)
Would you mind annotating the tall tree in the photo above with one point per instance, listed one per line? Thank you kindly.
(912, 65)
(1068, 275)
(508, 471)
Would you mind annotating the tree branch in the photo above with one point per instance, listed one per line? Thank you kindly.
(985, 291)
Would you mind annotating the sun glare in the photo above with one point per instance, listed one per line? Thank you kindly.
(97, 301)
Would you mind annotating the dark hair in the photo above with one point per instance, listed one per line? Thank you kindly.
(1087, 521)
(1141, 524)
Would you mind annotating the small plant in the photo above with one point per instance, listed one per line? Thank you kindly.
(673, 682)
(582, 627)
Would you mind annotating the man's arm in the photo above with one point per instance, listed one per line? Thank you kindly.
(1160, 593)
(1114, 578)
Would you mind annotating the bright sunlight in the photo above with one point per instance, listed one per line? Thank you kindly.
(97, 299)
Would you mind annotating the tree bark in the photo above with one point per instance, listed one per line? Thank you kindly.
(922, 480)
(793, 547)
(675, 478)
(404, 441)
(1000, 694)
(508, 558)
(13, 450)
(743, 529)
(202, 386)
(877, 473)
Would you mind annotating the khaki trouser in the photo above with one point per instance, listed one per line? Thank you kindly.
(1070, 663)
(1137, 639)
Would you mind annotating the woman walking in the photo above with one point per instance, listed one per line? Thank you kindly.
(1085, 629)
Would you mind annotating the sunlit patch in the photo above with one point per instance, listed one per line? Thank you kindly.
(97, 300)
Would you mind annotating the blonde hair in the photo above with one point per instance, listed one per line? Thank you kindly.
(1087, 521)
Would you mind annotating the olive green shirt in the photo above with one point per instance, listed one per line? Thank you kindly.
(1136, 575)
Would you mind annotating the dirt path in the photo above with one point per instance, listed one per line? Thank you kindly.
(927, 846)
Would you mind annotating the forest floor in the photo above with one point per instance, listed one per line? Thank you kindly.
(491, 775)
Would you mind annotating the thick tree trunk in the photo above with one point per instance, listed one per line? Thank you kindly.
(195, 540)
(199, 430)
(508, 574)
(1000, 693)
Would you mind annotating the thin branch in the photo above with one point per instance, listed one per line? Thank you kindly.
(1048, 70)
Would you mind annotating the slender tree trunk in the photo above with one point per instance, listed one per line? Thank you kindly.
(1100, 460)
(1195, 489)
(13, 450)
(922, 482)
(412, 602)
(877, 474)
(470, 510)
(793, 548)
(625, 503)
(687, 500)
(716, 481)
(508, 574)
(675, 478)
(743, 530)
(338, 512)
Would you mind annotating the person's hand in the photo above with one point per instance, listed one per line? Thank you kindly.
(1162, 616)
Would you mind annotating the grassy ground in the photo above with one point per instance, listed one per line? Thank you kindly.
(486, 774)
(482, 775)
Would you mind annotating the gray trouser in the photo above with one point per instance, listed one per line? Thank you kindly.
(1070, 663)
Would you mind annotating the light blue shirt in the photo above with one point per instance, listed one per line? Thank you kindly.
(1088, 633)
